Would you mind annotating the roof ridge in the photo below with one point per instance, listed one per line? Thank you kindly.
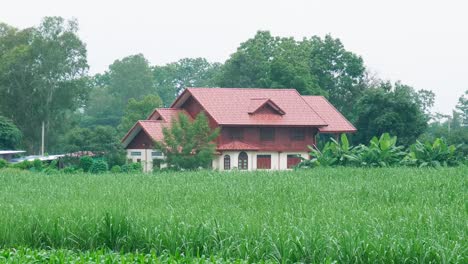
(302, 98)
(244, 88)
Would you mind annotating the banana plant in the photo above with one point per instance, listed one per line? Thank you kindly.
(435, 154)
(381, 152)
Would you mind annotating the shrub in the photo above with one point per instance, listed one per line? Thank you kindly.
(69, 170)
(85, 163)
(132, 167)
(37, 165)
(3, 163)
(24, 165)
(99, 166)
(434, 154)
(116, 169)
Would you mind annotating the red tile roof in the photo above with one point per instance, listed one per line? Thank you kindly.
(153, 128)
(230, 106)
(167, 114)
(237, 145)
(245, 106)
(337, 123)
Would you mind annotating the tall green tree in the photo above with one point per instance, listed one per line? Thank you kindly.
(126, 79)
(172, 78)
(462, 108)
(339, 72)
(138, 110)
(393, 109)
(187, 144)
(42, 76)
(314, 66)
(130, 77)
(10, 135)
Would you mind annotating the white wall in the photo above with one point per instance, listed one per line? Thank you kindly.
(279, 160)
(145, 157)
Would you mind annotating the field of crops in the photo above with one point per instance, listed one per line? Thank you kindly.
(347, 215)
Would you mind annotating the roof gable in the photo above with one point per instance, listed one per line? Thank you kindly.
(166, 114)
(153, 128)
(257, 104)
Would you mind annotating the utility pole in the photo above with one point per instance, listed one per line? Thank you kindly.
(42, 141)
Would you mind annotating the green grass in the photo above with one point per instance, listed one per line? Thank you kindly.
(348, 215)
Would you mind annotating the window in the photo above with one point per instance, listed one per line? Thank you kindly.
(243, 161)
(236, 133)
(298, 134)
(293, 160)
(138, 160)
(267, 134)
(263, 161)
(135, 153)
(156, 153)
(227, 162)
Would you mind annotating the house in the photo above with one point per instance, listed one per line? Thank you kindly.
(260, 128)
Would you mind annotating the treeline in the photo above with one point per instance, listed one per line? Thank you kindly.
(44, 78)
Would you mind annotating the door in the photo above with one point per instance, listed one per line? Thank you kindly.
(243, 161)
(264, 162)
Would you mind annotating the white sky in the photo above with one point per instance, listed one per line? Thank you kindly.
(422, 43)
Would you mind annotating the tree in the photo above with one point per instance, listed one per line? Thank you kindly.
(42, 75)
(250, 65)
(10, 135)
(339, 72)
(426, 100)
(462, 108)
(172, 78)
(392, 109)
(314, 66)
(126, 79)
(138, 110)
(188, 144)
(130, 77)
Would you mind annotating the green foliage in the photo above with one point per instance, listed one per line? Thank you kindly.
(386, 109)
(37, 165)
(334, 153)
(173, 77)
(99, 166)
(327, 215)
(130, 77)
(42, 76)
(85, 163)
(116, 169)
(3, 163)
(381, 152)
(10, 135)
(24, 165)
(138, 110)
(187, 144)
(434, 154)
(71, 170)
(462, 108)
(312, 66)
(384, 152)
(132, 167)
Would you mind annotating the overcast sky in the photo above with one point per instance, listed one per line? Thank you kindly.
(422, 43)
